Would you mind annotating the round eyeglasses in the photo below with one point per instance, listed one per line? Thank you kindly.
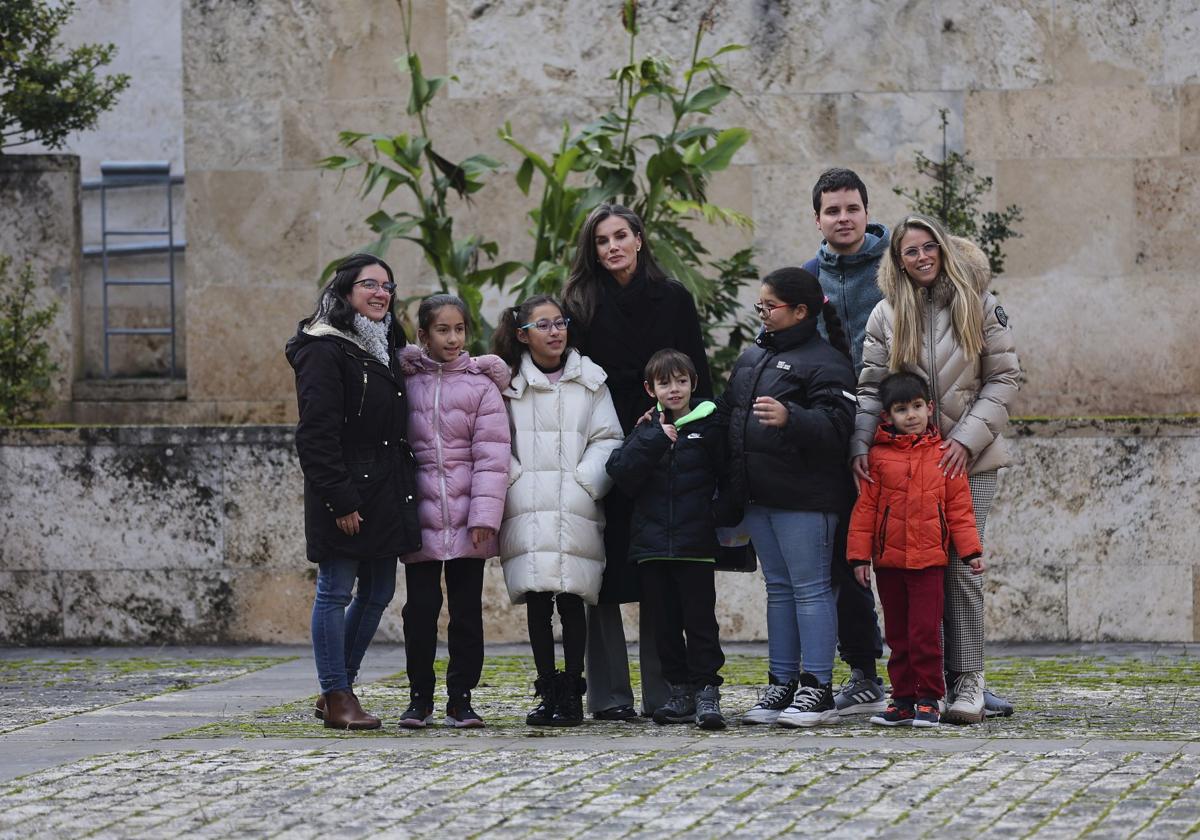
(545, 324)
(928, 249)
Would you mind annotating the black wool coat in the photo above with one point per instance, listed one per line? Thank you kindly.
(803, 465)
(672, 486)
(353, 448)
(629, 326)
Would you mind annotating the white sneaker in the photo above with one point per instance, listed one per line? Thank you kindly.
(968, 699)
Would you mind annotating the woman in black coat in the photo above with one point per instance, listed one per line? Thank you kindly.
(624, 309)
(359, 475)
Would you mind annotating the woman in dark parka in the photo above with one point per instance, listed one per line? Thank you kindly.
(624, 309)
(359, 505)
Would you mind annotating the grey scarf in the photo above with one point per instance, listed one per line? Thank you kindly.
(373, 335)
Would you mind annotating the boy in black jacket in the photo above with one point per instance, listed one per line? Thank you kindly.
(671, 466)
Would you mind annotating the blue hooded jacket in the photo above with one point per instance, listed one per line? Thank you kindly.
(849, 282)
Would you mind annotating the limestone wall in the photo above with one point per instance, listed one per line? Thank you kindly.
(177, 535)
(1086, 114)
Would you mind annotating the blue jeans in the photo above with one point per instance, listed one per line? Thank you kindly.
(342, 628)
(794, 548)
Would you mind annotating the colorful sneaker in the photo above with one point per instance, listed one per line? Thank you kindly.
(927, 715)
(419, 713)
(708, 708)
(812, 704)
(681, 708)
(771, 701)
(995, 705)
(860, 695)
(460, 715)
(898, 713)
(968, 699)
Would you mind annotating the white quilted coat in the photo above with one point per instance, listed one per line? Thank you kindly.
(552, 539)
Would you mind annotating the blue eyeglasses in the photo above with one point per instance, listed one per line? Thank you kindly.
(545, 324)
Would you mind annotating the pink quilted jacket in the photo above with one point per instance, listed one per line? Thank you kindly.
(458, 429)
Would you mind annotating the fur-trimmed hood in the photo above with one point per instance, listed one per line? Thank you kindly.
(414, 361)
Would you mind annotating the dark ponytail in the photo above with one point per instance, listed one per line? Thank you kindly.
(505, 343)
(795, 286)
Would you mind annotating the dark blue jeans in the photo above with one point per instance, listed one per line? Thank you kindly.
(342, 627)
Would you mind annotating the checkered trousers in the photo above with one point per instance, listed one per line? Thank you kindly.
(963, 620)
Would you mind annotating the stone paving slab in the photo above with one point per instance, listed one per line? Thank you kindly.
(1105, 742)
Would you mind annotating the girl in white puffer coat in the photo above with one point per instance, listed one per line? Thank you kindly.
(564, 427)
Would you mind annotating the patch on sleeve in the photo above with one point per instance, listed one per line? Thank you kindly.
(1002, 316)
(850, 396)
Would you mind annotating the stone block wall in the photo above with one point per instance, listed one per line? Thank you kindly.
(194, 534)
(1087, 115)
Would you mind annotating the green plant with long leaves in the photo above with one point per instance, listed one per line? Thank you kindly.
(47, 92)
(26, 368)
(954, 200)
(410, 162)
(663, 177)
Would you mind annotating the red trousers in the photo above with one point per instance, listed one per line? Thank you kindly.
(912, 624)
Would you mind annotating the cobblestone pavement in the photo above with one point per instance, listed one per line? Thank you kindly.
(245, 757)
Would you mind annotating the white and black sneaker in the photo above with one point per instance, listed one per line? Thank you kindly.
(860, 695)
(812, 705)
(771, 701)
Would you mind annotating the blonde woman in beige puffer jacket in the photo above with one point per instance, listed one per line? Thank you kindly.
(939, 320)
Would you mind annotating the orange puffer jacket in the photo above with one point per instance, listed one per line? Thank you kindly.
(908, 517)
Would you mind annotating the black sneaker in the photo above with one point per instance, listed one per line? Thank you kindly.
(543, 712)
(771, 701)
(419, 713)
(681, 708)
(927, 715)
(708, 708)
(900, 712)
(812, 704)
(460, 715)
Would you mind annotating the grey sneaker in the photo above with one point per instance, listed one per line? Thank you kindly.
(708, 708)
(860, 695)
(771, 701)
(681, 708)
(995, 706)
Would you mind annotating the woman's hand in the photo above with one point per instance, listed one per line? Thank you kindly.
(858, 465)
(350, 524)
(770, 412)
(954, 462)
(862, 574)
(645, 418)
(480, 535)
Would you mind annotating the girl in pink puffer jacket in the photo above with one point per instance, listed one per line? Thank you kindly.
(458, 430)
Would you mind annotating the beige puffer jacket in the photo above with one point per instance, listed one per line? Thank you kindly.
(972, 395)
(552, 538)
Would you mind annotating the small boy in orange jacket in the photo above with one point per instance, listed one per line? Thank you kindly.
(905, 519)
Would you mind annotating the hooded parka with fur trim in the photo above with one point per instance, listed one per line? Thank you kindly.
(562, 434)
(971, 396)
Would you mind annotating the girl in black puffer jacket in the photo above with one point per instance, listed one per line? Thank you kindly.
(790, 407)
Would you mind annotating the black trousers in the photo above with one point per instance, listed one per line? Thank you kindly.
(464, 590)
(539, 613)
(682, 597)
(859, 641)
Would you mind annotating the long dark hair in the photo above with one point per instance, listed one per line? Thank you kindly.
(505, 343)
(430, 306)
(795, 286)
(582, 293)
(333, 305)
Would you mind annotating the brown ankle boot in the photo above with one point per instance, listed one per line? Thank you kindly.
(319, 709)
(342, 711)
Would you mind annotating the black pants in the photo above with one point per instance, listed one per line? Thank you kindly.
(464, 590)
(539, 612)
(682, 597)
(859, 641)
